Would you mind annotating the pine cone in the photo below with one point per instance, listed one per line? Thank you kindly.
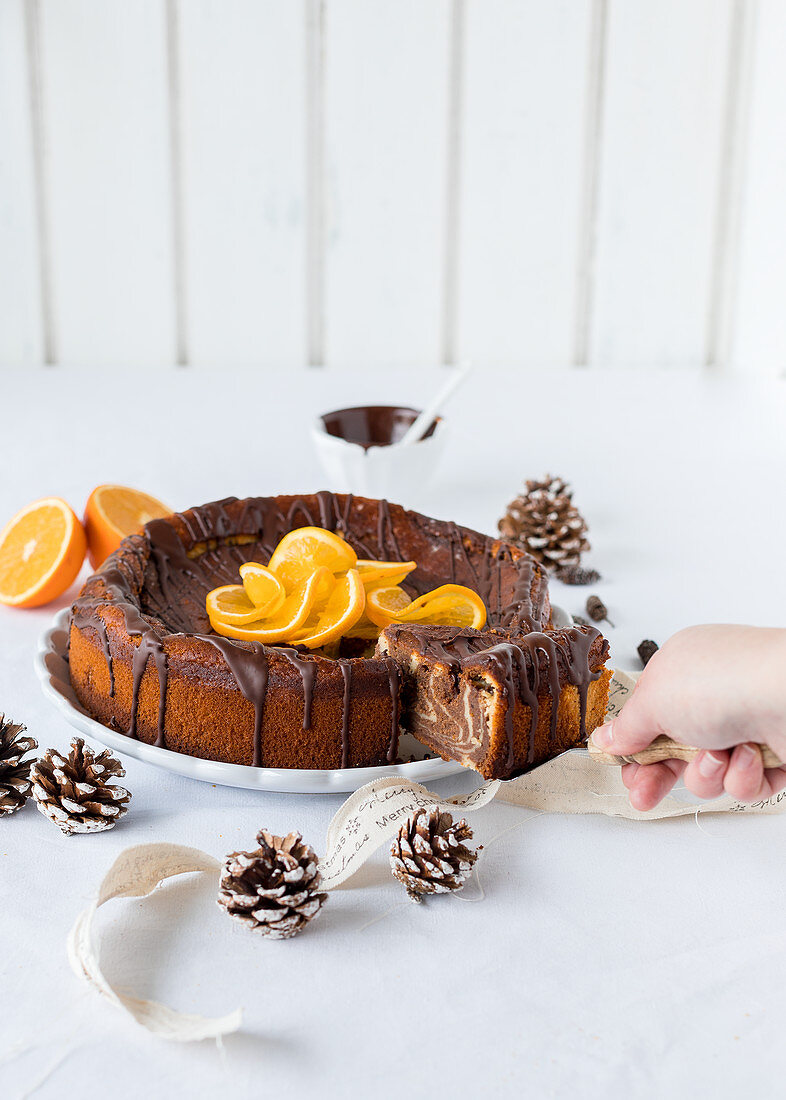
(428, 854)
(545, 521)
(274, 889)
(15, 782)
(73, 791)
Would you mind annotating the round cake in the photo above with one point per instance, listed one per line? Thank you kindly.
(144, 660)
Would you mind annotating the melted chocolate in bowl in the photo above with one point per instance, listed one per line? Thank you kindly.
(373, 425)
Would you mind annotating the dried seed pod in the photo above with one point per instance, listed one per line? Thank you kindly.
(577, 574)
(646, 650)
(597, 610)
(579, 620)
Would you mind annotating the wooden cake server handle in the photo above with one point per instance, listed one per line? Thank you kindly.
(663, 748)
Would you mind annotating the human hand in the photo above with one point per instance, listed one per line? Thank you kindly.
(719, 688)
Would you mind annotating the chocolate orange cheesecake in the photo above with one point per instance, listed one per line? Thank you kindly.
(144, 660)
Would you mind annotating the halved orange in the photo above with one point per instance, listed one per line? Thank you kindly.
(263, 588)
(389, 572)
(288, 619)
(305, 549)
(114, 511)
(340, 613)
(41, 552)
(230, 604)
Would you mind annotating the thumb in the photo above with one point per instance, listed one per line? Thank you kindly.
(626, 734)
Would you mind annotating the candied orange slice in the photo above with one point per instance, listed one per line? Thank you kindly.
(230, 604)
(290, 617)
(263, 588)
(385, 604)
(41, 551)
(308, 548)
(114, 511)
(340, 613)
(387, 572)
(449, 605)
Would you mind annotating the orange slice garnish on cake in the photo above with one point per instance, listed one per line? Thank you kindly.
(41, 552)
(308, 548)
(449, 605)
(263, 588)
(230, 605)
(310, 593)
(290, 617)
(384, 572)
(113, 512)
(342, 610)
(385, 604)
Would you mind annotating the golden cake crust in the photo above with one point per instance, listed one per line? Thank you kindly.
(144, 661)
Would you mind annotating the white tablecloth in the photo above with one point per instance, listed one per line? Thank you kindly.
(590, 956)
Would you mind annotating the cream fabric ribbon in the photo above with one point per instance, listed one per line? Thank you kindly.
(571, 784)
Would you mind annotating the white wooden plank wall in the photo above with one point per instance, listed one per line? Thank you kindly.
(660, 154)
(275, 182)
(758, 333)
(386, 114)
(107, 181)
(526, 73)
(242, 113)
(21, 328)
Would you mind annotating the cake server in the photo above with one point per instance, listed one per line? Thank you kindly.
(664, 748)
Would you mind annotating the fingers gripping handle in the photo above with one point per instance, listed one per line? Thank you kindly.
(663, 748)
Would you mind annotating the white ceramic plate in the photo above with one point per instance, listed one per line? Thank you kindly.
(52, 670)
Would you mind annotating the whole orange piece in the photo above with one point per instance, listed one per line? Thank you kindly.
(113, 512)
(41, 552)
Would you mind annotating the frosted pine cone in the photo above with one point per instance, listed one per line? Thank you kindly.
(273, 890)
(15, 782)
(545, 521)
(74, 791)
(428, 854)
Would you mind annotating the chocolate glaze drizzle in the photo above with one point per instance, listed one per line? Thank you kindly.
(346, 672)
(158, 582)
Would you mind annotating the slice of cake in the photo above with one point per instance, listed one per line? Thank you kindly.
(498, 701)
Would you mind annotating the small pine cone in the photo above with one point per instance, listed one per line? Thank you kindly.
(15, 782)
(428, 854)
(274, 889)
(545, 521)
(74, 791)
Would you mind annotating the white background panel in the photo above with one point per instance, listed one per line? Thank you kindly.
(242, 112)
(522, 177)
(108, 181)
(21, 334)
(759, 341)
(386, 111)
(666, 66)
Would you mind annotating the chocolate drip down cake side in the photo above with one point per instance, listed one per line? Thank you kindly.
(144, 660)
